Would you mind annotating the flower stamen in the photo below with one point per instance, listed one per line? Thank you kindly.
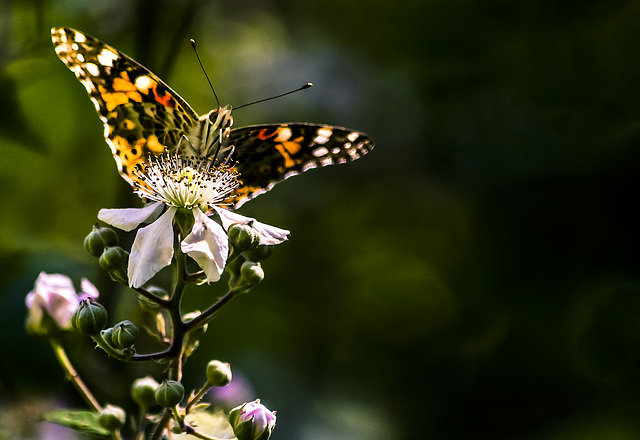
(185, 182)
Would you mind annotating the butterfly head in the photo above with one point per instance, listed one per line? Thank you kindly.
(221, 120)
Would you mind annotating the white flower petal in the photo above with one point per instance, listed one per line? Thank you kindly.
(152, 249)
(208, 244)
(268, 234)
(128, 219)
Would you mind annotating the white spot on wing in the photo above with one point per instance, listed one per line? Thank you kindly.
(79, 38)
(92, 69)
(106, 57)
(143, 83)
(353, 136)
(320, 151)
(323, 135)
(80, 57)
(283, 135)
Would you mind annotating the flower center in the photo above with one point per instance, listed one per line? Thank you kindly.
(185, 182)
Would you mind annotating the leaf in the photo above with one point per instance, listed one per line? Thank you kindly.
(211, 422)
(84, 421)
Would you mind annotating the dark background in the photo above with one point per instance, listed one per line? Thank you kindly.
(474, 277)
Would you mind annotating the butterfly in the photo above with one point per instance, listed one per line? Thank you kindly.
(143, 116)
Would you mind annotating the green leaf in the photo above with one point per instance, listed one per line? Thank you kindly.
(212, 422)
(84, 421)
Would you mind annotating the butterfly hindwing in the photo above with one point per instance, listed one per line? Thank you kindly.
(268, 154)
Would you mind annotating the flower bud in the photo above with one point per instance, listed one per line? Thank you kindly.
(124, 334)
(169, 393)
(243, 237)
(89, 318)
(112, 417)
(251, 272)
(113, 258)
(107, 334)
(98, 239)
(252, 421)
(218, 373)
(143, 391)
(52, 303)
(260, 253)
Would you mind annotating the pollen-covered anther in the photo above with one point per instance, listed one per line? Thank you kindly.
(185, 182)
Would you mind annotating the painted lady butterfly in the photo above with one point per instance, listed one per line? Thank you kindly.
(142, 115)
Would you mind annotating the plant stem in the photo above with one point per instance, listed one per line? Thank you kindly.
(73, 376)
(157, 434)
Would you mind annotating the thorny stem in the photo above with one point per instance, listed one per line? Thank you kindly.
(73, 376)
(201, 392)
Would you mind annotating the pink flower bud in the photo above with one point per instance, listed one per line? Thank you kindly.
(252, 421)
(52, 302)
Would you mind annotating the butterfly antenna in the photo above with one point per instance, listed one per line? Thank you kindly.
(193, 45)
(306, 86)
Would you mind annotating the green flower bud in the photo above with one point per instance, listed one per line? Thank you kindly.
(107, 334)
(243, 237)
(112, 417)
(252, 421)
(89, 318)
(218, 373)
(98, 239)
(124, 334)
(169, 393)
(143, 391)
(260, 253)
(251, 272)
(113, 258)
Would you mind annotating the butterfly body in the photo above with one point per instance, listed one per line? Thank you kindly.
(143, 116)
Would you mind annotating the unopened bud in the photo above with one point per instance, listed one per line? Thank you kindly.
(251, 273)
(124, 334)
(243, 237)
(218, 373)
(169, 393)
(260, 253)
(252, 421)
(89, 318)
(113, 258)
(143, 391)
(98, 239)
(112, 417)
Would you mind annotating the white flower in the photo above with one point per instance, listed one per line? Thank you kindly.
(52, 302)
(183, 183)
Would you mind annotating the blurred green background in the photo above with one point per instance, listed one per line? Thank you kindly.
(475, 277)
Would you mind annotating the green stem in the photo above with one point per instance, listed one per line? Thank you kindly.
(162, 424)
(150, 296)
(206, 387)
(73, 376)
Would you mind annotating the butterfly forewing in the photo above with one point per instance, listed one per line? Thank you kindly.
(268, 154)
(140, 113)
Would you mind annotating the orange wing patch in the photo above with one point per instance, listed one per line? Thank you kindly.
(123, 92)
